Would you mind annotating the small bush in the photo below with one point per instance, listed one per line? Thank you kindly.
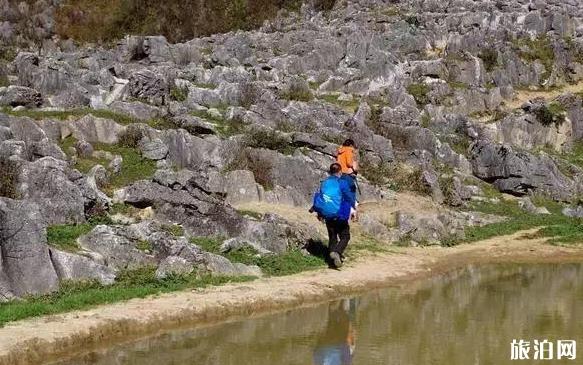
(554, 113)
(131, 137)
(490, 58)
(249, 95)
(260, 167)
(269, 139)
(420, 92)
(9, 171)
(179, 93)
(296, 91)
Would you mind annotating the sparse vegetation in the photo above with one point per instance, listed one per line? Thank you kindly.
(131, 137)
(537, 49)
(420, 92)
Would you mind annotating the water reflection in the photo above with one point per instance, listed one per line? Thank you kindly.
(465, 317)
(336, 345)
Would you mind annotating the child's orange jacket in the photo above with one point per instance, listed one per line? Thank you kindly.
(345, 158)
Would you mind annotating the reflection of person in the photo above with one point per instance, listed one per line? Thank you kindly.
(336, 345)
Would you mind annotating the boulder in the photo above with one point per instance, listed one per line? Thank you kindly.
(194, 125)
(96, 130)
(14, 96)
(240, 187)
(53, 186)
(69, 266)
(149, 86)
(576, 212)
(518, 172)
(137, 110)
(116, 247)
(174, 265)
(24, 254)
(153, 149)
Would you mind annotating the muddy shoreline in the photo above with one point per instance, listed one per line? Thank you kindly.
(46, 339)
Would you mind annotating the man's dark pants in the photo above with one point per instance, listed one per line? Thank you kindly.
(338, 235)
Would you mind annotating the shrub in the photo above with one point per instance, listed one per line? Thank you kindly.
(297, 92)
(249, 95)
(419, 91)
(490, 58)
(131, 137)
(9, 171)
(179, 93)
(551, 114)
(259, 166)
(270, 139)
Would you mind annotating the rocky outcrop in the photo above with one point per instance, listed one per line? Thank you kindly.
(25, 262)
(518, 172)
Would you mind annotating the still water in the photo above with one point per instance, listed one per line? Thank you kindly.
(465, 317)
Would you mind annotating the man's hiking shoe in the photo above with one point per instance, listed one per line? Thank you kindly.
(336, 259)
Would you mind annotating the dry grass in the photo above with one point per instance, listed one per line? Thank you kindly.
(178, 20)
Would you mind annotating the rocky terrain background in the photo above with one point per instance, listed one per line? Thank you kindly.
(145, 144)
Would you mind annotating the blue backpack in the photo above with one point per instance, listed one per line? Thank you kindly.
(328, 200)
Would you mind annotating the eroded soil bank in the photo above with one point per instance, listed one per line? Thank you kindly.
(44, 339)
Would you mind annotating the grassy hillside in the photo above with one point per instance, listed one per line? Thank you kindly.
(178, 20)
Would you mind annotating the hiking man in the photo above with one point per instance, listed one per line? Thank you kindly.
(333, 203)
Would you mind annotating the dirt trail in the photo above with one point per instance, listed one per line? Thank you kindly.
(44, 339)
(523, 96)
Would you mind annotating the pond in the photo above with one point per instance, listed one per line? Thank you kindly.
(469, 316)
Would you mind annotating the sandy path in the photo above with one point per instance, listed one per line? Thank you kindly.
(44, 339)
(523, 96)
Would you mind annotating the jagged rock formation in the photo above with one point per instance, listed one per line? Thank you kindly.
(256, 116)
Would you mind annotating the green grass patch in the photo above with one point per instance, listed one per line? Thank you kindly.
(349, 106)
(565, 228)
(175, 230)
(64, 236)
(133, 168)
(250, 213)
(123, 119)
(73, 113)
(291, 262)
(224, 127)
(138, 283)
